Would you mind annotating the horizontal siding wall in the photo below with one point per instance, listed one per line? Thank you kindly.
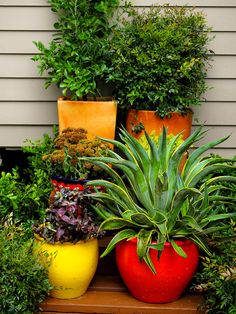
(27, 110)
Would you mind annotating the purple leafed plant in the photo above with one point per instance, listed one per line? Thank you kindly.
(68, 218)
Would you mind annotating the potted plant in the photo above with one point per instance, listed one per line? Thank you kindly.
(64, 158)
(77, 60)
(163, 215)
(68, 235)
(159, 63)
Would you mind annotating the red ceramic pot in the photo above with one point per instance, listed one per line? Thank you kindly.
(173, 272)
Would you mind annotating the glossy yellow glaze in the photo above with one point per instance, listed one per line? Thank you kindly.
(97, 117)
(72, 266)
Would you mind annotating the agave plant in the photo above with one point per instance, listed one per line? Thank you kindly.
(148, 198)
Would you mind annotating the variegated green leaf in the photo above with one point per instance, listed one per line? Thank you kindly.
(144, 237)
(116, 223)
(178, 249)
(120, 236)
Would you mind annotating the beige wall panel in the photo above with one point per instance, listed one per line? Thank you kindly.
(23, 66)
(210, 3)
(22, 42)
(215, 113)
(201, 3)
(215, 20)
(44, 113)
(221, 90)
(17, 66)
(224, 43)
(27, 89)
(217, 132)
(223, 67)
(24, 2)
(26, 18)
(15, 136)
(223, 152)
(42, 18)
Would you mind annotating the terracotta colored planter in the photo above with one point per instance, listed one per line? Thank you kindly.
(173, 272)
(175, 124)
(72, 267)
(97, 117)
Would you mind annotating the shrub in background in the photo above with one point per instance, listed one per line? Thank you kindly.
(159, 59)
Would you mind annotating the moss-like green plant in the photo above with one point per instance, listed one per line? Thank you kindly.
(23, 280)
(216, 277)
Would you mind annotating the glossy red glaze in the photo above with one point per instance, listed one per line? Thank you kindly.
(173, 272)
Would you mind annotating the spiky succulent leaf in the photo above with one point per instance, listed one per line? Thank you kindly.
(149, 193)
(178, 249)
(120, 236)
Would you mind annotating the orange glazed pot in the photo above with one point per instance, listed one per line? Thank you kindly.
(97, 117)
(173, 272)
(176, 123)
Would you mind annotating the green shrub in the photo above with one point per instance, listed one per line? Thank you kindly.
(159, 59)
(78, 58)
(216, 278)
(25, 197)
(23, 281)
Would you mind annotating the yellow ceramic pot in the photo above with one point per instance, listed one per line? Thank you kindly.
(72, 266)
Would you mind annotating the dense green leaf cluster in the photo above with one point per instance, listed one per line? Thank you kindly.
(77, 57)
(159, 59)
(23, 282)
(216, 278)
(25, 197)
(154, 201)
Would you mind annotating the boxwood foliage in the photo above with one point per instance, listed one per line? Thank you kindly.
(159, 59)
(23, 281)
(216, 278)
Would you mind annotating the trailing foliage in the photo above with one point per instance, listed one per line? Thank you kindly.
(152, 200)
(216, 278)
(159, 59)
(69, 218)
(23, 282)
(78, 57)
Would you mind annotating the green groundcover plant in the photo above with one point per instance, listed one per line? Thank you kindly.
(216, 277)
(23, 281)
